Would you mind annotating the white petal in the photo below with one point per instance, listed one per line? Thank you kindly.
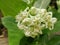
(54, 20)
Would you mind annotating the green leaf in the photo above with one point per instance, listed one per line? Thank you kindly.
(55, 40)
(56, 14)
(42, 3)
(40, 40)
(43, 39)
(12, 7)
(26, 41)
(14, 34)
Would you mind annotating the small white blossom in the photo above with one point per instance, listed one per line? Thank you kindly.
(27, 33)
(34, 20)
(54, 20)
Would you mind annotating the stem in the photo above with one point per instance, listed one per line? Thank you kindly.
(37, 40)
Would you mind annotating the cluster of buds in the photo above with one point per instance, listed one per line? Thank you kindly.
(34, 20)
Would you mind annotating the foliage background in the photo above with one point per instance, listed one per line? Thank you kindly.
(10, 8)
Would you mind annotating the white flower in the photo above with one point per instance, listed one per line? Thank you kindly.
(26, 21)
(27, 33)
(43, 10)
(53, 20)
(22, 15)
(34, 20)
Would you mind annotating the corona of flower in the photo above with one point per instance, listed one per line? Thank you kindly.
(34, 20)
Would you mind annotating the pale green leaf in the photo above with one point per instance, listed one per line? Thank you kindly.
(42, 3)
(28, 1)
(14, 34)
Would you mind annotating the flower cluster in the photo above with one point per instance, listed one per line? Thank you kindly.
(34, 20)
